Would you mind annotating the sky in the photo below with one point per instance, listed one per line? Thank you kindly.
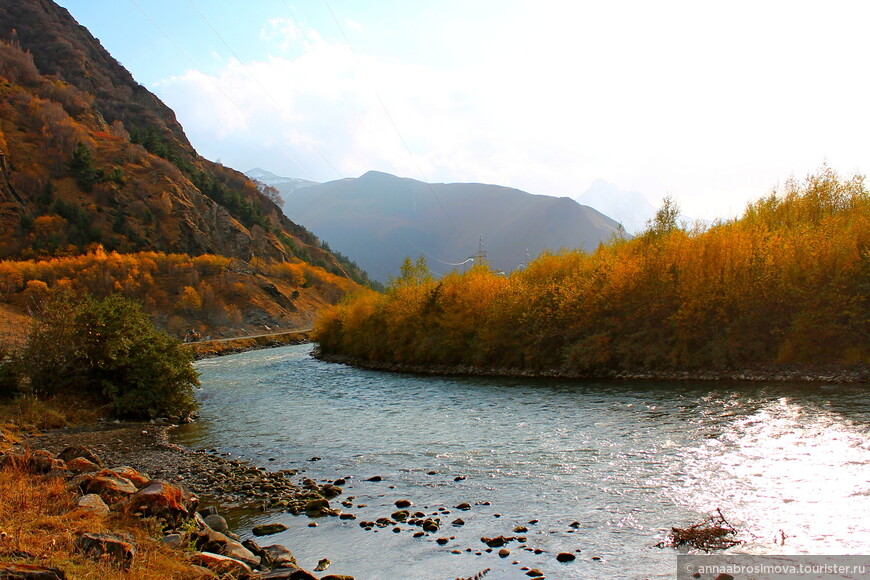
(712, 103)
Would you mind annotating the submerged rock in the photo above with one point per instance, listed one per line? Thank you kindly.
(268, 529)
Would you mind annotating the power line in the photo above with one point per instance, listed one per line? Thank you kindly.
(396, 129)
(262, 87)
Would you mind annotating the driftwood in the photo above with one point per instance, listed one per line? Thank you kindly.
(714, 533)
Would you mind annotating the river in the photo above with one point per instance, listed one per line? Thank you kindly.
(789, 465)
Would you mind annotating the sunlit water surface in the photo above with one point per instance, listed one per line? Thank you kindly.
(627, 460)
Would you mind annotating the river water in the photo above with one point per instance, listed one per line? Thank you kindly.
(789, 465)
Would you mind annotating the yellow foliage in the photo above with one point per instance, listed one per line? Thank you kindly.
(787, 282)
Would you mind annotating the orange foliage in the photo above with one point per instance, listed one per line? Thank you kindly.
(787, 282)
(178, 290)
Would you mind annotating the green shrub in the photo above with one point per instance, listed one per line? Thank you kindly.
(11, 372)
(109, 350)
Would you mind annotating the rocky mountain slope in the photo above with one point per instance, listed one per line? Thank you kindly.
(90, 161)
(379, 219)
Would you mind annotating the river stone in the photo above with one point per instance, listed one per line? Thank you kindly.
(109, 485)
(138, 478)
(495, 542)
(463, 506)
(566, 557)
(317, 507)
(337, 577)
(279, 556)
(164, 500)
(27, 572)
(534, 573)
(400, 516)
(79, 451)
(94, 503)
(223, 565)
(403, 503)
(330, 491)
(217, 523)
(112, 547)
(82, 465)
(208, 540)
(430, 525)
(266, 529)
(42, 461)
(322, 565)
(504, 553)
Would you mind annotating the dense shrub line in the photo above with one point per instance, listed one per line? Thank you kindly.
(788, 282)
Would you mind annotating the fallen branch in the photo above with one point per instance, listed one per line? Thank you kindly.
(714, 533)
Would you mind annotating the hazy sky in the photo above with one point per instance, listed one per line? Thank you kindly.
(713, 103)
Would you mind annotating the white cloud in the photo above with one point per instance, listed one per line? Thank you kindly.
(711, 105)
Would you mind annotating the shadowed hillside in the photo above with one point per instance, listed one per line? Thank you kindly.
(379, 219)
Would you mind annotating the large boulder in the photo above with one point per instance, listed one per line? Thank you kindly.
(82, 465)
(108, 485)
(208, 540)
(163, 500)
(222, 565)
(107, 546)
(79, 451)
(138, 479)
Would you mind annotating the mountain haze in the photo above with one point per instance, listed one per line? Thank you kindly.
(284, 185)
(630, 208)
(379, 219)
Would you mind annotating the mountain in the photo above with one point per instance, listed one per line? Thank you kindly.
(379, 219)
(629, 208)
(285, 185)
(91, 161)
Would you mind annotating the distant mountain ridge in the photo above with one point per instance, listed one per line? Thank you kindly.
(285, 185)
(379, 219)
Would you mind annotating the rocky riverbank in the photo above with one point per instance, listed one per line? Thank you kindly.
(851, 374)
(222, 484)
(185, 490)
(223, 347)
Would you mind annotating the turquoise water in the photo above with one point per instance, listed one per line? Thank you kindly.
(625, 460)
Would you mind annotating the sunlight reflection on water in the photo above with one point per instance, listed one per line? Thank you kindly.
(790, 467)
(625, 460)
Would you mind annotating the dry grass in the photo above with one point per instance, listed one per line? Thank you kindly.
(39, 519)
(39, 522)
(14, 326)
(30, 414)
